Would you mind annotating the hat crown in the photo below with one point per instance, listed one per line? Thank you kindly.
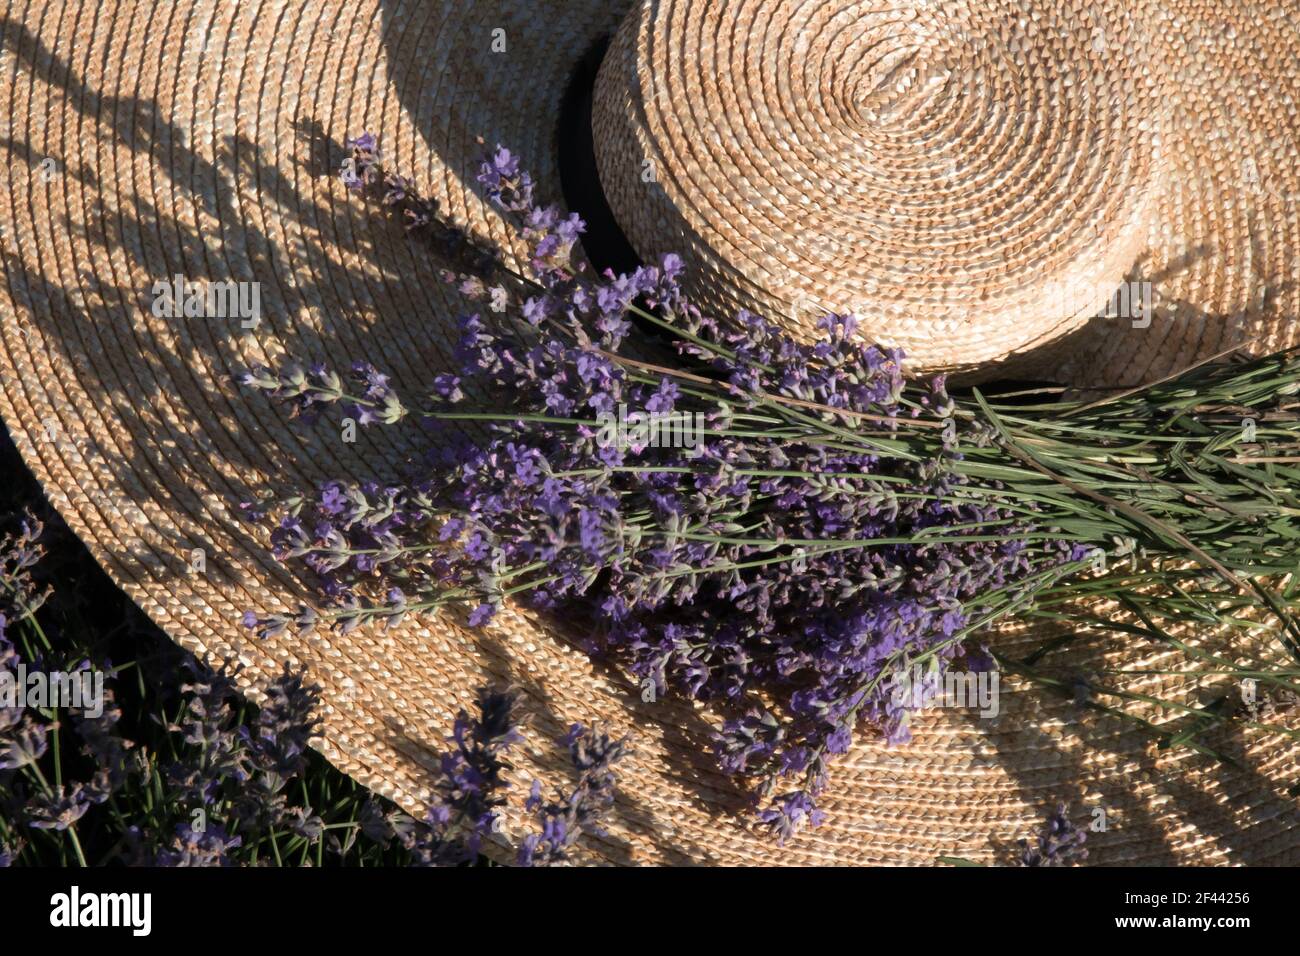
(941, 170)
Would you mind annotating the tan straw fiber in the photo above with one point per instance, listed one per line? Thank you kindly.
(945, 170)
(1223, 253)
(975, 178)
(197, 138)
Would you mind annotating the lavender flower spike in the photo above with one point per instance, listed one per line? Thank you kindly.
(593, 755)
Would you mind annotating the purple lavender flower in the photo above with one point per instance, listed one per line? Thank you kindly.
(59, 809)
(360, 170)
(790, 578)
(209, 846)
(23, 746)
(375, 823)
(209, 725)
(593, 756)
(1060, 843)
(285, 724)
(789, 813)
(481, 615)
(274, 751)
(470, 786)
(507, 186)
(19, 553)
(114, 757)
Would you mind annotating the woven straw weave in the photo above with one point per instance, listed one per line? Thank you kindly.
(1223, 248)
(974, 178)
(197, 138)
(937, 168)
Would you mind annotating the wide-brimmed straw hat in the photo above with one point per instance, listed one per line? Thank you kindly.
(198, 139)
(978, 179)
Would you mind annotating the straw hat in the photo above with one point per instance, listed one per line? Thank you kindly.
(977, 178)
(197, 139)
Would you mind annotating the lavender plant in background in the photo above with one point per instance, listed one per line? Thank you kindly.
(22, 740)
(240, 770)
(216, 782)
(469, 789)
(802, 553)
(66, 770)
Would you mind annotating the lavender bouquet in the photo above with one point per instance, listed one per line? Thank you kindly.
(780, 529)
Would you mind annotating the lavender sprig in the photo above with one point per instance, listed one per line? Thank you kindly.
(593, 755)
(470, 787)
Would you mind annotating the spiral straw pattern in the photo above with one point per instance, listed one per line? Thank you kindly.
(972, 178)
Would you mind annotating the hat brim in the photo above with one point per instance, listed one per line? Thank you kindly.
(1222, 256)
(198, 139)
